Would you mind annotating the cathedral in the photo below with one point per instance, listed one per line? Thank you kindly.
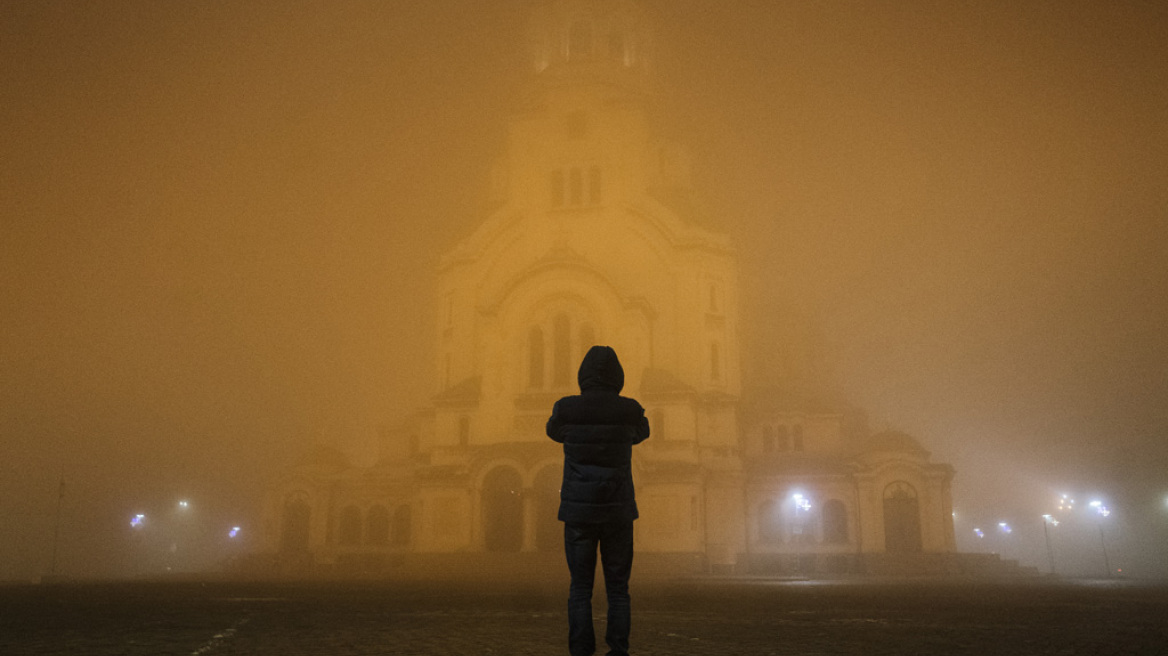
(587, 241)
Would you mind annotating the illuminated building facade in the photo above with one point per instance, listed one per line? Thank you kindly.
(589, 243)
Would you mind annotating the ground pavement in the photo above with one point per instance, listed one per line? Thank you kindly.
(674, 618)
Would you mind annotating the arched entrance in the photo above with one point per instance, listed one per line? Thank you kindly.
(297, 521)
(902, 519)
(835, 522)
(502, 507)
(549, 532)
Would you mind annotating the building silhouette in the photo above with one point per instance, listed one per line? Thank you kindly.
(589, 241)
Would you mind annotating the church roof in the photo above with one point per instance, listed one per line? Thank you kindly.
(895, 442)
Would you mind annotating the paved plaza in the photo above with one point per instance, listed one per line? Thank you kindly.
(670, 618)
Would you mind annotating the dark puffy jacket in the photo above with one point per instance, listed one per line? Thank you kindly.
(598, 429)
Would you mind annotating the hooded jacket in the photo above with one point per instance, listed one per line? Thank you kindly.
(598, 429)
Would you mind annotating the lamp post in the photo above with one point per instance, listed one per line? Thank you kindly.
(1103, 512)
(1047, 521)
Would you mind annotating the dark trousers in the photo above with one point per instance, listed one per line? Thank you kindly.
(616, 555)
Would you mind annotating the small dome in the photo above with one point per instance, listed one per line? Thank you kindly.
(578, 36)
(896, 442)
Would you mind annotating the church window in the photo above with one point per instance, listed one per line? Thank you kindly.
(557, 188)
(579, 40)
(463, 430)
(561, 352)
(783, 442)
(768, 439)
(575, 187)
(350, 526)
(715, 362)
(377, 526)
(797, 436)
(535, 359)
(594, 185)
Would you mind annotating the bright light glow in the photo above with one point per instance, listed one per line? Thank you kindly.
(183, 504)
(1005, 528)
(1050, 520)
(978, 532)
(233, 532)
(137, 520)
(1095, 504)
(801, 503)
(1066, 503)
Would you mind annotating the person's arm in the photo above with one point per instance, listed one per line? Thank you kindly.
(554, 423)
(642, 427)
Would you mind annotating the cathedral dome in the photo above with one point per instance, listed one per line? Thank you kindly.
(896, 442)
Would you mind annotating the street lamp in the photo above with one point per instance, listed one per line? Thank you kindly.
(1103, 511)
(1048, 521)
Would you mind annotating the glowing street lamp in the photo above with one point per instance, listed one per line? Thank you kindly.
(184, 504)
(801, 503)
(1048, 521)
(979, 533)
(1103, 511)
(233, 532)
(1005, 528)
(137, 521)
(1066, 503)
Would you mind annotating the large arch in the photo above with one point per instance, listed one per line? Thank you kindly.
(548, 530)
(377, 526)
(349, 527)
(502, 509)
(902, 518)
(770, 522)
(297, 522)
(835, 522)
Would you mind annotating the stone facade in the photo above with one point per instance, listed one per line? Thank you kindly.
(589, 242)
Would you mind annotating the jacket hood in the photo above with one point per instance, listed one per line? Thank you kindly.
(601, 370)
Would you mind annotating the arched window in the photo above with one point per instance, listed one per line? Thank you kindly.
(594, 185)
(535, 359)
(561, 352)
(463, 430)
(783, 442)
(715, 362)
(401, 526)
(349, 531)
(377, 526)
(502, 508)
(575, 187)
(557, 188)
(297, 522)
(769, 523)
(797, 436)
(579, 40)
(835, 522)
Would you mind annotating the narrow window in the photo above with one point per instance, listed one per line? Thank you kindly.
(535, 359)
(594, 185)
(557, 188)
(575, 187)
(562, 352)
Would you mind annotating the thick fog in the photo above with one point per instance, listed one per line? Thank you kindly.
(220, 223)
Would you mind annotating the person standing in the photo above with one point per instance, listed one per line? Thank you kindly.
(598, 429)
